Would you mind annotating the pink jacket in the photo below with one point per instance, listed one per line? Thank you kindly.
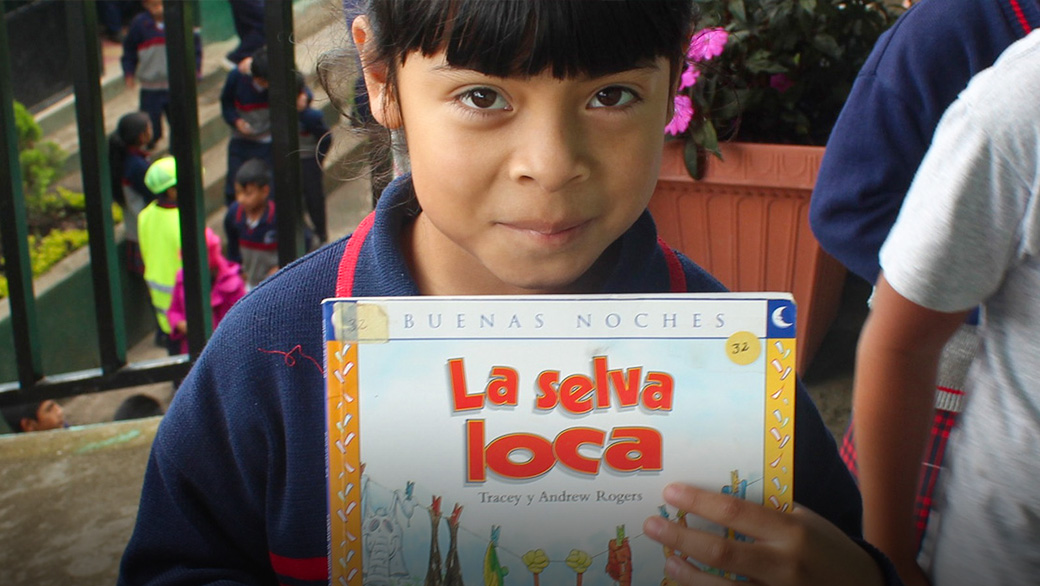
(227, 288)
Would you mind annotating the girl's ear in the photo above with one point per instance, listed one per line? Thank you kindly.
(380, 95)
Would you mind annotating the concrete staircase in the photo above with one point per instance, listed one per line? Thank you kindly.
(319, 26)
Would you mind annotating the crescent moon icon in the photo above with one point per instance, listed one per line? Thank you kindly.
(778, 317)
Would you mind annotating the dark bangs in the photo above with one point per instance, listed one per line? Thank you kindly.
(526, 37)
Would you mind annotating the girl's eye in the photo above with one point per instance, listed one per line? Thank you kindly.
(483, 98)
(612, 97)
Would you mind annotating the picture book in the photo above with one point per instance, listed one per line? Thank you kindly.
(488, 441)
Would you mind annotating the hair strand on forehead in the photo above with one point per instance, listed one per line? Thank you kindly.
(514, 37)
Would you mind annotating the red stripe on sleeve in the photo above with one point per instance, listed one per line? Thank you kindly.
(152, 42)
(300, 568)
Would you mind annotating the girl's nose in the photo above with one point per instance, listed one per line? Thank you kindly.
(550, 152)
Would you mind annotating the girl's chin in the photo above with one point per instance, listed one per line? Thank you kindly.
(542, 280)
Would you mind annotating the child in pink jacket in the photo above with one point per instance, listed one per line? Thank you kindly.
(226, 288)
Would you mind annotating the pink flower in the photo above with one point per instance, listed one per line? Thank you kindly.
(689, 77)
(780, 82)
(707, 44)
(682, 116)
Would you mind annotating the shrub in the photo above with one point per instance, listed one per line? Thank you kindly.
(55, 215)
(773, 70)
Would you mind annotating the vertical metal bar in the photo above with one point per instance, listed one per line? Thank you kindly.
(185, 146)
(14, 233)
(285, 133)
(81, 26)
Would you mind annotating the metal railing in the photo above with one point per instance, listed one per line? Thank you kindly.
(85, 63)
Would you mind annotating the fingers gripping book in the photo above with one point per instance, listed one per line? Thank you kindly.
(475, 438)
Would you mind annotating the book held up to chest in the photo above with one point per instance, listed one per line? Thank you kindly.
(495, 440)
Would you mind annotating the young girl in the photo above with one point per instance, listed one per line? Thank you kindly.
(226, 288)
(535, 131)
(128, 163)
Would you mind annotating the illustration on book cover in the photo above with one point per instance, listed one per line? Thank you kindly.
(518, 440)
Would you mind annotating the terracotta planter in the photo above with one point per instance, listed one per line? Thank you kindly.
(747, 222)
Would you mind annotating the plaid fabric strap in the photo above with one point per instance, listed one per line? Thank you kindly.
(949, 400)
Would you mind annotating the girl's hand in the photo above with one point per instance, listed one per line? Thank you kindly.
(799, 548)
(244, 127)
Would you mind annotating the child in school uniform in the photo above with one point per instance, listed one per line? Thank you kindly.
(967, 236)
(128, 163)
(144, 63)
(533, 157)
(250, 224)
(244, 106)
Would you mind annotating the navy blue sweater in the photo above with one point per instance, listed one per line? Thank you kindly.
(144, 52)
(241, 98)
(917, 69)
(235, 486)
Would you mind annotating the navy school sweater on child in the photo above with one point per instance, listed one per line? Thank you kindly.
(915, 71)
(252, 245)
(235, 485)
(242, 98)
(144, 52)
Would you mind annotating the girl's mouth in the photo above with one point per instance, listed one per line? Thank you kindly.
(549, 234)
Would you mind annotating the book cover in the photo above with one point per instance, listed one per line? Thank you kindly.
(523, 440)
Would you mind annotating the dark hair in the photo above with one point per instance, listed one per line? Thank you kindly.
(259, 67)
(127, 133)
(14, 414)
(253, 172)
(511, 38)
(136, 407)
(521, 38)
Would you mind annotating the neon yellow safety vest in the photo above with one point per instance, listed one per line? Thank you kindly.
(159, 235)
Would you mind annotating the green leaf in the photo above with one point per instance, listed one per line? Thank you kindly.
(736, 8)
(691, 156)
(29, 131)
(807, 5)
(762, 62)
(710, 140)
(827, 45)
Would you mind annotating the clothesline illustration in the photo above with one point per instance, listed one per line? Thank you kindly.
(618, 554)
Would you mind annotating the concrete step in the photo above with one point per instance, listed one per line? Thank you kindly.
(317, 24)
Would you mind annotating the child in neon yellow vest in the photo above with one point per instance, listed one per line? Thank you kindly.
(159, 234)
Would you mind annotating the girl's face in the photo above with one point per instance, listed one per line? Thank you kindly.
(524, 182)
(146, 136)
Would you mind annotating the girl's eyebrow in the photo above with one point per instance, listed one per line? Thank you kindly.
(448, 68)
